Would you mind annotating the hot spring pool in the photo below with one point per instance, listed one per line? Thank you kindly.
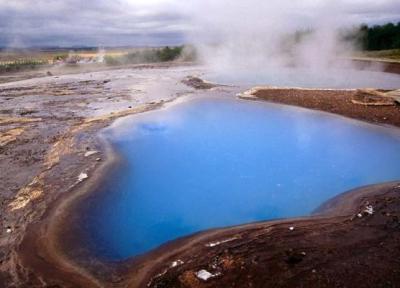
(216, 162)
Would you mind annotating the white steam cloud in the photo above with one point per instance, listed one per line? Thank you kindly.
(252, 33)
(281, 42)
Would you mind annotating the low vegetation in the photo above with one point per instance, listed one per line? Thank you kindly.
(153, 55)
(20, 65)
(393, 54)
(21, 60)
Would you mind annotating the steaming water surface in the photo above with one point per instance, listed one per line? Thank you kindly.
(215, 162)
(297, 77)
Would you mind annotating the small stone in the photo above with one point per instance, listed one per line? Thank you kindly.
(369, 210)
(314, 271)
(205, 275)
(82, 176)
(90, 153)
(98, 159)
(8, 230)
(291, 228)
(176, 263)
(359, 215)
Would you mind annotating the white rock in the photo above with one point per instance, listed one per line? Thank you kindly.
(9, 230)
(90, 153)
(359, 215)
(291, 228)
(213, 244)
(369, 210)
(205, 275)
(216, 243)
(177, 263)
(82, 176)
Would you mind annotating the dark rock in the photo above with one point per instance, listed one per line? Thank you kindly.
(293, 258)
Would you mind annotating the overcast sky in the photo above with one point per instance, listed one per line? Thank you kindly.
(155, 22)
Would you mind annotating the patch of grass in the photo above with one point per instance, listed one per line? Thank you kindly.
(20, 65)
(152, 55)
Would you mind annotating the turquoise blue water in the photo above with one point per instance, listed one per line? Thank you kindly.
(216, 162)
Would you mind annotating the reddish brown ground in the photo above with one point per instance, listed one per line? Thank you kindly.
(333, 101)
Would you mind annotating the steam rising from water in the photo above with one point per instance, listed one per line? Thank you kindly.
(261, 33)
(273, 38)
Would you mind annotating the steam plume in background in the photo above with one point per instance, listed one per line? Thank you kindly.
(251, 34)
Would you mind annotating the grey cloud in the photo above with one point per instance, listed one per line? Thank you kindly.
(90, 22)
(130, 22)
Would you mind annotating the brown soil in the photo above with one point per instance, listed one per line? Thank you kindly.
(333, 101)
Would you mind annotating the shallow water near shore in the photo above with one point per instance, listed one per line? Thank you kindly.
(217, 162)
